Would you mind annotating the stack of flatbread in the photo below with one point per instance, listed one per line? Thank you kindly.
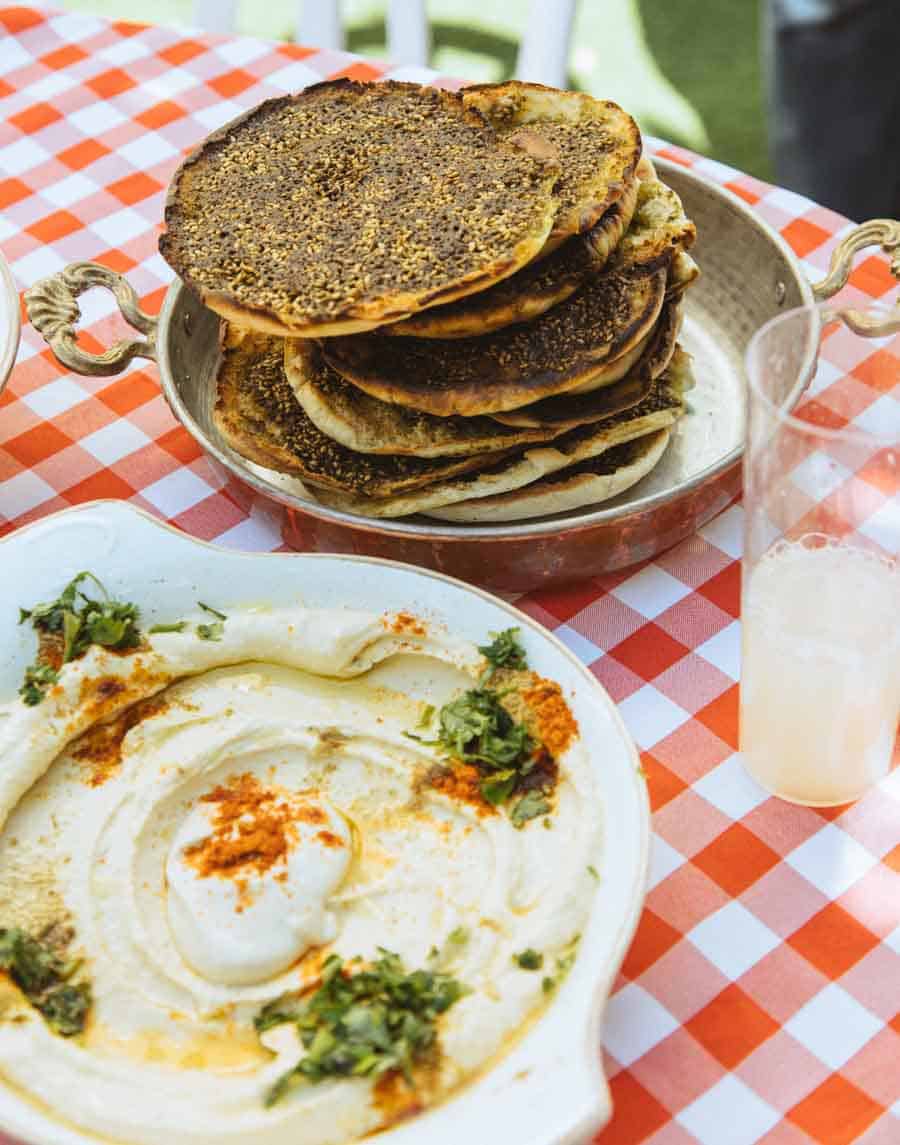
(465, 304)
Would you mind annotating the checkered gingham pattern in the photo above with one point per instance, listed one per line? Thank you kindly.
(759, 1000)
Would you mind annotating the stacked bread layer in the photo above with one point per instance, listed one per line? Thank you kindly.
(545, 388)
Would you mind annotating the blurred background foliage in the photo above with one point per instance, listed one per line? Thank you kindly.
(688, 70)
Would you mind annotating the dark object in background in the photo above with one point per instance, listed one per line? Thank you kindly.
(834, 86)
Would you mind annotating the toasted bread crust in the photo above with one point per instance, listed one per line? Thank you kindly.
(259, 417)
(295, 217)
(660, 409)
(566, 411)
(531, 291)
(659, 229)
(363, 423)
(571, 345)
(589, 482)
(599, 145)
(683, 272)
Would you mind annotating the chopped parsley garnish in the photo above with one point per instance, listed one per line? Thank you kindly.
(83, 620)
(38, 678)
(176, 626)
(593, 872)
(426, 717)
(44, 977)
(363, 1023)
(529, 959)
(75, 621)
(564, 964)
(530, 806)
(212, 611)
(65, 1009)
(215, 630)
(285, 1008)
(504, 651)
(457, 940)
(498, 787)
(478, 729)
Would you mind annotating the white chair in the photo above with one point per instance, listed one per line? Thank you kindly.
(543, 52)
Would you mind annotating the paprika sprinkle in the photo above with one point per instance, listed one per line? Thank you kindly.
(253, 828)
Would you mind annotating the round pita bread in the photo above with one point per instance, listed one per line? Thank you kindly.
(660, 409)
(582, 343)
(367, 425)
(589, 483)
(598, 145)
(532, 290)
(258, 416)
(569, 410)
(352, 204)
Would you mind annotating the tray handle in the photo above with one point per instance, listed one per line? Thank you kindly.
(52, 306)
(876, 232)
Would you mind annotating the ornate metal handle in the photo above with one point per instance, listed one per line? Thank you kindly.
(877, 232)
(52, 306)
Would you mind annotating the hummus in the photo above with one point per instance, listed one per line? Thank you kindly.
(122, 795)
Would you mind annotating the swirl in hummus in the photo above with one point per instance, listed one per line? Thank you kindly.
(215, 820)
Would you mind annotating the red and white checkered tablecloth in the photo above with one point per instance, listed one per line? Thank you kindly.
(759, 1000)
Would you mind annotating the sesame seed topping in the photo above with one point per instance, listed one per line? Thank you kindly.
(349, 195)
(588, 328)
(253, 383)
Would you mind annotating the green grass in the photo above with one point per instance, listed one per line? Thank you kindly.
(694, 43)
(688, 70)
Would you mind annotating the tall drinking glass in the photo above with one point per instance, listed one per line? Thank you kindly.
(820, 681)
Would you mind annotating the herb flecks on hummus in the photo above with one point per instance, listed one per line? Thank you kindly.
(363, 1022)
(40, 970)
(476, 728)
(69, 625)
(488, 747)
(216, 627)
(564, 964)
(175, 626)
(529, 959)
(503, 737)
(504, 651)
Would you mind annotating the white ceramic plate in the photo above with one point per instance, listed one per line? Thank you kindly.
(549, 1090)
